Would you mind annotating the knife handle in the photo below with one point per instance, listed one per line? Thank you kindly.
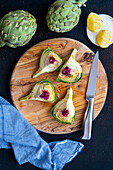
(88, 118)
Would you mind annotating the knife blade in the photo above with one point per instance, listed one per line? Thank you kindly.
(92, 77)
(90, 93)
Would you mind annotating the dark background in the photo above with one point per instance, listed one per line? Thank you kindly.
(98, 153)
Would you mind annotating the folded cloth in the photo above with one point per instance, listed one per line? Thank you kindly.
(28, 146)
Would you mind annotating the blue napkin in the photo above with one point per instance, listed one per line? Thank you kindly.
(28, 146)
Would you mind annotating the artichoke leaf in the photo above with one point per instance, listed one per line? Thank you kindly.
(2, 43)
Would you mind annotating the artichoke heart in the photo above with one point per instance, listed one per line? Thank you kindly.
(49, 62)
(42, 91)
(71, 72)
(17, 28)
(64, 110)
(63, 15)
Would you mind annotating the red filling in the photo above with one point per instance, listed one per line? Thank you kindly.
(65, 112)
(45, 95)
(52, 60)
(66, 71)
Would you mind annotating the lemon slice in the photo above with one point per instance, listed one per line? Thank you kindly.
(104, 38)
(94, 22)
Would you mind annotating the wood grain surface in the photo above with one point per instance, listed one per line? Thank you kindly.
(38, 113)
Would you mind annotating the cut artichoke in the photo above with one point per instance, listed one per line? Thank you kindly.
(64, 110)
(17, 28)
(42, 91)
(71, 71)
(63, 15)
(49, 62)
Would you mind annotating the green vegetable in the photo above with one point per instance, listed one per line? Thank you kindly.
(71, 72)
(64, 110)
(49, 62)
(42, 91)
(17, 28)
(63, 15)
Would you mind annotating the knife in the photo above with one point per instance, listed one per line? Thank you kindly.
(88, 118)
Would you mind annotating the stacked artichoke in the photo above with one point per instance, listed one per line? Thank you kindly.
(63, 15)
(17, 28)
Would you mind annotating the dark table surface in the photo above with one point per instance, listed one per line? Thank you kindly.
(98, 153)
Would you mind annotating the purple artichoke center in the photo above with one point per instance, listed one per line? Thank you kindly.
(52, 60)
(45, 95)
(65, 112)
(66, 71)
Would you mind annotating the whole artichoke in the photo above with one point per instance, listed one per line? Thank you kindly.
(63, 15)
(17, 28)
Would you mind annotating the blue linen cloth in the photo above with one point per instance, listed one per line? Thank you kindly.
(28, 146)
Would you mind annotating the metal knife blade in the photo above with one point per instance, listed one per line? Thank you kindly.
(92, 77)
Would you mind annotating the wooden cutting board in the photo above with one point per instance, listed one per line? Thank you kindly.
(38, 113)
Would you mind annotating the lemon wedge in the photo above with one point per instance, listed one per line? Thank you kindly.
(94, 22)
(104, 38)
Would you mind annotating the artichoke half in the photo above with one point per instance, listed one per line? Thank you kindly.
(63, 15)
(49, 62)
(42, 91)
(71, 71)
(64, 110)
(17, 28)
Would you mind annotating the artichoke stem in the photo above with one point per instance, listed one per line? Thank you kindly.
(24, 98)
(36, 74)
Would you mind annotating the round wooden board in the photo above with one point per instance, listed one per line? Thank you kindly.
(38, 113)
